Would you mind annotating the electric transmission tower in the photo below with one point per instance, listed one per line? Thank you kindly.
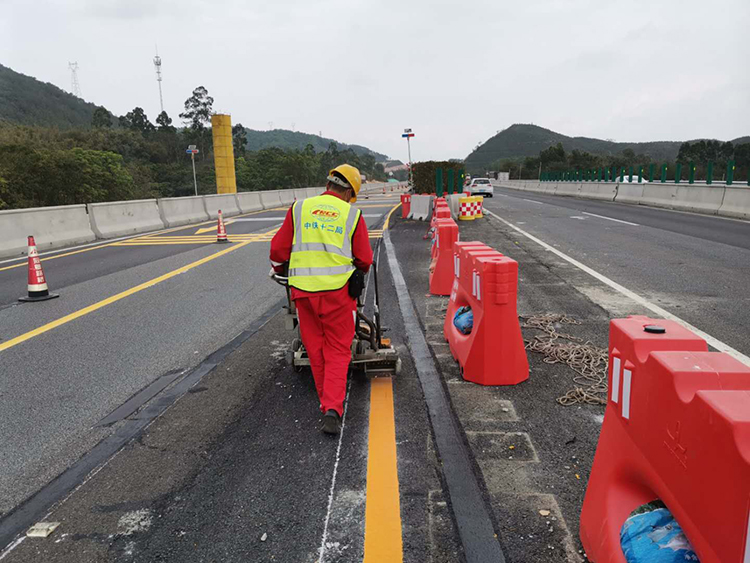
(75, 87)
(157, 67)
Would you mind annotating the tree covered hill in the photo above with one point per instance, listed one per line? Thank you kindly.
(523, 140)
(27, 101)
(285, 139)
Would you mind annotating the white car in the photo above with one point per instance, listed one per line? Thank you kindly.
(481, 186)
(625, 179)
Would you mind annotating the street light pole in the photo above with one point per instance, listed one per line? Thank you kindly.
(408, 134)
(195, 181)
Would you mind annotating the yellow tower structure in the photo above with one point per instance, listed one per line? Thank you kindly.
(226, 182)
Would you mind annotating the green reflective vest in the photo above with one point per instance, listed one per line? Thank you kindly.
(322, 257)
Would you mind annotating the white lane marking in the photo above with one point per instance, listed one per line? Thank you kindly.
(532, 201)
(578, 217)
(11, 547)
(611, 219)
(372, 215)
(715, 342)
(321, 554)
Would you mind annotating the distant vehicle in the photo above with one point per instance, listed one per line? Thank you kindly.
(481, 186)
(625, 180)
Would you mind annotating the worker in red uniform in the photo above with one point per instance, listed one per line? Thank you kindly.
(325, 242)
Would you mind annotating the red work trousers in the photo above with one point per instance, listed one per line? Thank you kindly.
(326, 323)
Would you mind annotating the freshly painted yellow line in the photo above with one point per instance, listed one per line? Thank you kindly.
(109, 300)
(388, 219)
(383, 542)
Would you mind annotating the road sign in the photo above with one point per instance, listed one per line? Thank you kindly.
(406, 135)
(192, 151)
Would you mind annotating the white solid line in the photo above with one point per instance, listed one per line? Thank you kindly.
(11, 547)
(333, 479)
(532, 201)
(610, 219)
(716, 343)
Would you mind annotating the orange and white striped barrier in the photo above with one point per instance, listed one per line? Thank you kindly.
(221, 231)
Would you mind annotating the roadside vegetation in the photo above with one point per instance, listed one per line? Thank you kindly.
(129, 157)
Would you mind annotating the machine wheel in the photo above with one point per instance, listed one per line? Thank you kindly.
(398, 366)
(296, 344)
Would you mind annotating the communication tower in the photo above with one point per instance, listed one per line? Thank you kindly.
(157, 67)
(75, 87)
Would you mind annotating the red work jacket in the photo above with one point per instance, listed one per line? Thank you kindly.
(281, 250)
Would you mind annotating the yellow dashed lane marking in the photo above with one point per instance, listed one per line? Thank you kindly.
(383, 540)
(109, 300)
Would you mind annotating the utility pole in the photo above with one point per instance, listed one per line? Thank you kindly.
(157, 67)
(192, 151)
(75, 87)
(540, 170)
(520, 169)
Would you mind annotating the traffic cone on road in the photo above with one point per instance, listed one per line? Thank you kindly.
(38, 290)
(221, 232)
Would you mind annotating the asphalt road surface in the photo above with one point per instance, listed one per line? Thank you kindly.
(694, 266)
(130, 312)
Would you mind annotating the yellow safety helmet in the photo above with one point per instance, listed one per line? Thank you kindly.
(350, 174)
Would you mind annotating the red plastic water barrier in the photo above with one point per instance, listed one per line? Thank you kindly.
(441, 210)
(493, 353)
(405, 205)
(441, 268)
(676, 428)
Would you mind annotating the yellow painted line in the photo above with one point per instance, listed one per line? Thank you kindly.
(383, 540)
(388, 219)
(109, 300)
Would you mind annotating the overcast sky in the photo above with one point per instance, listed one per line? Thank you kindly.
(361, 70)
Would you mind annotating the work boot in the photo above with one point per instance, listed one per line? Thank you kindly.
(331, 422)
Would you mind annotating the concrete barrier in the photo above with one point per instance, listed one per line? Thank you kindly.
(120, 218)
(312, 192)
(421, 207)
(736, 203)
(226, 202)
(176, 211)
(249, 201)
(52, 227)
(286, 197)
(604, 191)
(270, 199)
(453, 204)
(702, 199)
(658, 195)
(300, 193)
(570, 189)
(629, 193)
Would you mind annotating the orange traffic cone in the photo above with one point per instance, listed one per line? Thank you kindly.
(221, 232)
(38, 290)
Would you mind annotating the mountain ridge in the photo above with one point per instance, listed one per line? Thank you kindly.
(522, 140)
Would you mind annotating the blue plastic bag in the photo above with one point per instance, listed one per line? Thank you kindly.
(655, 536)
(463, 320)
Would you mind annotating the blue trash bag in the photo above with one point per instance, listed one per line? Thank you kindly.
(652, 535)
(463, 320)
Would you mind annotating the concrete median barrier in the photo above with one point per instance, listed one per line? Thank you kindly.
(52, 227)
(249, 201)
(226, 202)
(421, 207)
(270, 199)
(176, 211)
(312, 192)
(659, 195)
(604, 191)
(629, 193)
(300, 193)
(736, 203)
(120, 218)
(702, 199)
(569, 189)
(286, 197)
